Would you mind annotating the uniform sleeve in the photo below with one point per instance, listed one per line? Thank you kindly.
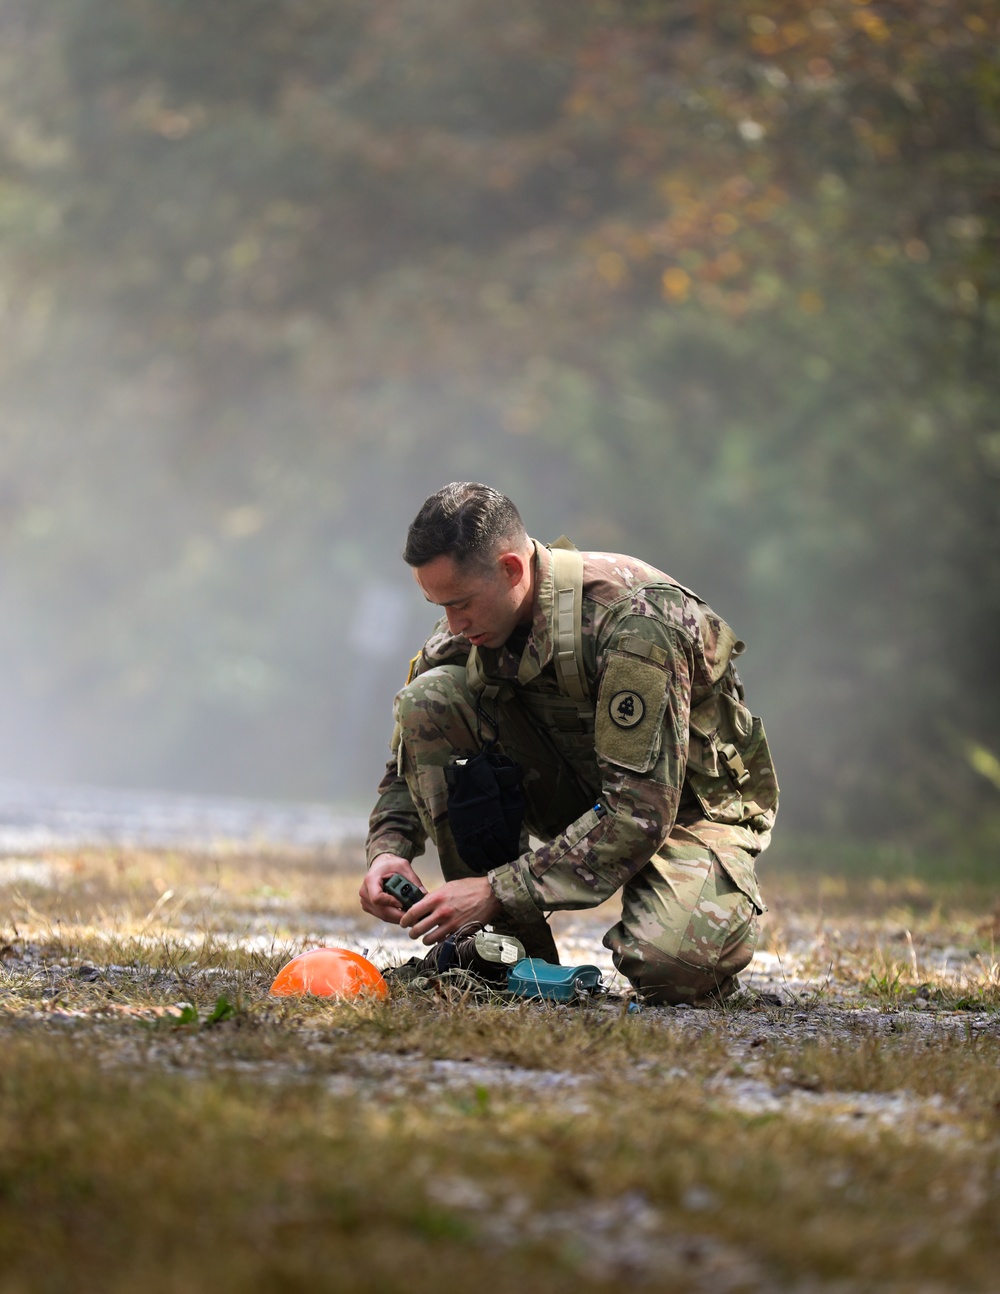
(641, 738)
(394, 826)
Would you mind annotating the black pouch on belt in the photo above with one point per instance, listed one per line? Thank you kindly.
(486, 808)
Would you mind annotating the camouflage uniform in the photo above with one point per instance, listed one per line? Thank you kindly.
(662, 788)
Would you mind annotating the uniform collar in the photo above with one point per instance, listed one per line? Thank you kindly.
(540, 645)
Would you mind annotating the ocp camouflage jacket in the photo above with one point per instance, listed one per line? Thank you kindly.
(665, 743)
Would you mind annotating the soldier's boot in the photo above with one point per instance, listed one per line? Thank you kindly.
(536, 939)
(483, 958)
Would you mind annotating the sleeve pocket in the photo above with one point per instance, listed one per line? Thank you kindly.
(630, 708)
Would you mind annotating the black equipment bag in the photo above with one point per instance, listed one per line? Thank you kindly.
(486, 808)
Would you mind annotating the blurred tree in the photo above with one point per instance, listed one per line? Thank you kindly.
(710, 284)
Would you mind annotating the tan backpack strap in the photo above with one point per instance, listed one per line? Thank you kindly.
(479, 682)
(567, 606)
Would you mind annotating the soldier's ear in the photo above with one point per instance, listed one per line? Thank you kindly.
(513, 566)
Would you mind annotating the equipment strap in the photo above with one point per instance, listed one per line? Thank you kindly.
(567, 621)
(480, 683)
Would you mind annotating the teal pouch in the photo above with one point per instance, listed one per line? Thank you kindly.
(534, 977)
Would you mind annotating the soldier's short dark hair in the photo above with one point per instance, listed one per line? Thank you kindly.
(469, 522)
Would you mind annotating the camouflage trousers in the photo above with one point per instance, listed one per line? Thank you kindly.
(687, 927)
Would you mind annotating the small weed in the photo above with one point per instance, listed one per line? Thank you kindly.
(886, 987)
(223, 1010)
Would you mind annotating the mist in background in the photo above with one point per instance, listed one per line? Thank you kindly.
(713, 286)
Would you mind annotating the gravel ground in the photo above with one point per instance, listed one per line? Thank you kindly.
(806, 990)
(787, 1013)
(793, 1002)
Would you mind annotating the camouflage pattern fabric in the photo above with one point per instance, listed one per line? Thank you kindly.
(664, 790)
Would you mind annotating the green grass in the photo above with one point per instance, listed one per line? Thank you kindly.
(967, 867)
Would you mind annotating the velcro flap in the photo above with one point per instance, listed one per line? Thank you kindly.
(637, 646)
(630, 710)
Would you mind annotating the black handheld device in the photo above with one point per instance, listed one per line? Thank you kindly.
(403, 890)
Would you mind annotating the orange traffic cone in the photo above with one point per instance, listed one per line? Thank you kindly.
(330, 972)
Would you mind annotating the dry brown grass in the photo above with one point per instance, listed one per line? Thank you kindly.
(164, 1124)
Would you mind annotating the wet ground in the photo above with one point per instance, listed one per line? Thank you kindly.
(47, 816)
(172, 872)
(803, 958)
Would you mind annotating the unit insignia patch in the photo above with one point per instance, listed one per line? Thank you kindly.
(631, 704)
(626, 709)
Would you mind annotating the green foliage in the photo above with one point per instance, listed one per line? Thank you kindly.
(719, 288)
(186, 1016)
(886, 987)
(223, 1010)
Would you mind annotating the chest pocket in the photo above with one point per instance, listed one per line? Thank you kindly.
(630, 707)
(555, 712)
(568, 729)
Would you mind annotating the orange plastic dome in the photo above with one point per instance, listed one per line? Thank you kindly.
(329, 972)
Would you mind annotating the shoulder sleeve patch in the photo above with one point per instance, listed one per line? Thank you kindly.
(630, 709)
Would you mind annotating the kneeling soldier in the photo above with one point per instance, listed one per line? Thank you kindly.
(600, 702)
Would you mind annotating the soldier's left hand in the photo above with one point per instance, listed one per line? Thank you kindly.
(450, 907)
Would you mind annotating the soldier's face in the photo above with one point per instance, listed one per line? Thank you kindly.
(482, 606)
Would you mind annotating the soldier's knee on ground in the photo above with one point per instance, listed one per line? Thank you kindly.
(686, 930)
(665, 980)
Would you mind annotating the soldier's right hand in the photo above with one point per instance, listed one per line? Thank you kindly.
(374, 899)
